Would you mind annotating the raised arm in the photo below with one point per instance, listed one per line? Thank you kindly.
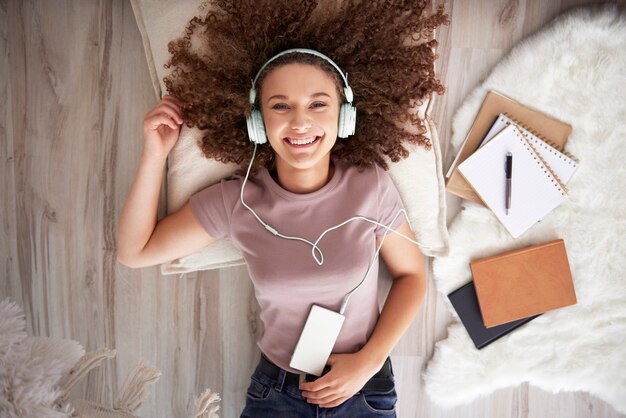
(142, 240)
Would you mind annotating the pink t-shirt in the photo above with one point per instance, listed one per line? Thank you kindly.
(287, 280)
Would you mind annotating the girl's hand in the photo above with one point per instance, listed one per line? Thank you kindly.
(161, 127)
(348, 374)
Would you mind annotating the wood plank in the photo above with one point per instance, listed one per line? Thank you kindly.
(10, 283)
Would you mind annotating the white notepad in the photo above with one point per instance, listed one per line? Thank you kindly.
(562, 165)
(535, 190)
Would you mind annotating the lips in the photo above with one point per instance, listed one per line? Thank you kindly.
(301, 140)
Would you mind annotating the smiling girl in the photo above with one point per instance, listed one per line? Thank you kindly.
(303, 182)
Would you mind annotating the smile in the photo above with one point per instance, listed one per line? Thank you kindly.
(302, 141)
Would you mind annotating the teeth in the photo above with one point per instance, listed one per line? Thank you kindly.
(301, 141)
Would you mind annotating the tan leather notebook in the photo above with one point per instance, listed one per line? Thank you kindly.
(551, 130)
(524, 282)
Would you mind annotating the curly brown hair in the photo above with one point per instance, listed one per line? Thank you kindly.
(386, 47)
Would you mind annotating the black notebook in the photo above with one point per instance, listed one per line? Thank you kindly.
(465, 303)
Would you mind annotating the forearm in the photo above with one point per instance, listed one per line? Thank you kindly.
(402, 304)
(139, 214)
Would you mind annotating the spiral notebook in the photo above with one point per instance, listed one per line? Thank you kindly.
(495, 103)
(535, 189)
(562, 164)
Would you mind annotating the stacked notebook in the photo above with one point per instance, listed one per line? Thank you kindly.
(465, 303)
(508, 164)
(541, 170)
(513, 288)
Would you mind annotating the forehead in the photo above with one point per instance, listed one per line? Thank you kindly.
(298, 79)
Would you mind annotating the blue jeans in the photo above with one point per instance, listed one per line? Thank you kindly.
(273, 397)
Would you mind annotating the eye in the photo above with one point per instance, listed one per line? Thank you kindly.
(280, 106)
(318, 105)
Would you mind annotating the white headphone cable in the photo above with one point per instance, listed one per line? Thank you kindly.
(346, 298)
(314, 246)
(269, 227)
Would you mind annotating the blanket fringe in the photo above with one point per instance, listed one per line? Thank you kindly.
(87, 362)
(133, 392)
(204, 402)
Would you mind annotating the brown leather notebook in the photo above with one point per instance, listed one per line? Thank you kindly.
(521, 283)
(545, 127)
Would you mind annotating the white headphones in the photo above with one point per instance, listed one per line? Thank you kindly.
(347, 113)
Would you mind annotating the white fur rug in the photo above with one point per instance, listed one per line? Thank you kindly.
(575, 70)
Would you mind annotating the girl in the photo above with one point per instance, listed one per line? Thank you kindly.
(300, 184)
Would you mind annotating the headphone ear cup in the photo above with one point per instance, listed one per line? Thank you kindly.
(347, 120)
(256, 127)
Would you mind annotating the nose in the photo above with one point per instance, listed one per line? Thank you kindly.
(300, 120)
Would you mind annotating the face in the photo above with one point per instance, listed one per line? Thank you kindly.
(300, 107)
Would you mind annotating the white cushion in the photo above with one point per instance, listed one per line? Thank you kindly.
(419, 178)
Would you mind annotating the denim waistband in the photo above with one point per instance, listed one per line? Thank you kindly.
(381, 381)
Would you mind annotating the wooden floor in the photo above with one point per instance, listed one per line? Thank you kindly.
(76, 87)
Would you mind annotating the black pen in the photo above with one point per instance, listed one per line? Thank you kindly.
(509, 174)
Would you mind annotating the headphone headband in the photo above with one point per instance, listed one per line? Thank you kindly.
(347, 89)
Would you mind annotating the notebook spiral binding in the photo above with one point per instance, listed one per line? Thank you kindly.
(541, 162)
(552, 145)
(564, 190)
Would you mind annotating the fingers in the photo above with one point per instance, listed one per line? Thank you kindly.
(156, 121)
(174, 99)
(327, 398)
(170, 106)
(167, 112)
(173, 103)
(317, 385)
(323, 392)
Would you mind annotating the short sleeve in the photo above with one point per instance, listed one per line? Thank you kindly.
(389, 203)
(210, 209)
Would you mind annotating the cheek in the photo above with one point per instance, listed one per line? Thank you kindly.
(274, 126)
(274, 121)
(332, 120)
(328, 120)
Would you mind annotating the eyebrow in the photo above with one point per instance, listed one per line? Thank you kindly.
(283, 97)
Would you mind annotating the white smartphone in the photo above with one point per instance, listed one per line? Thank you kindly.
(317, 340)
